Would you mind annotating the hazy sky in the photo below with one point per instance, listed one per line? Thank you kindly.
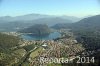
(50, 7)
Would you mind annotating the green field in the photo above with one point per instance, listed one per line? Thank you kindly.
(20, 52)
(36, 52)
(29, 47)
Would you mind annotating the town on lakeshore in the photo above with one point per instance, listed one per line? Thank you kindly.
(64, 46)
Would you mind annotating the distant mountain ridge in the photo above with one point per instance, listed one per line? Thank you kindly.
(51, 20)
(8, 23)
(29, 17)
(92, 22)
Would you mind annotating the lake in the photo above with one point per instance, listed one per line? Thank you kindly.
(51, 36)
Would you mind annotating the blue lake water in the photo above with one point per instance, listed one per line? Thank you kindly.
(51, 36)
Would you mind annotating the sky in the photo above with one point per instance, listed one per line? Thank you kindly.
(77, 8)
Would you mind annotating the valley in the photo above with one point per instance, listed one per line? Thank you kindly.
(70, 40)
(33, 49)
(49, 33)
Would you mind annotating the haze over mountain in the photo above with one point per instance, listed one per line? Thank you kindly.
(51, 20)
(27, 17)
(30, 17)
(92, 22)
(8, 23)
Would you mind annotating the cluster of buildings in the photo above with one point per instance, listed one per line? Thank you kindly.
(67, 47)
(11, 33)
